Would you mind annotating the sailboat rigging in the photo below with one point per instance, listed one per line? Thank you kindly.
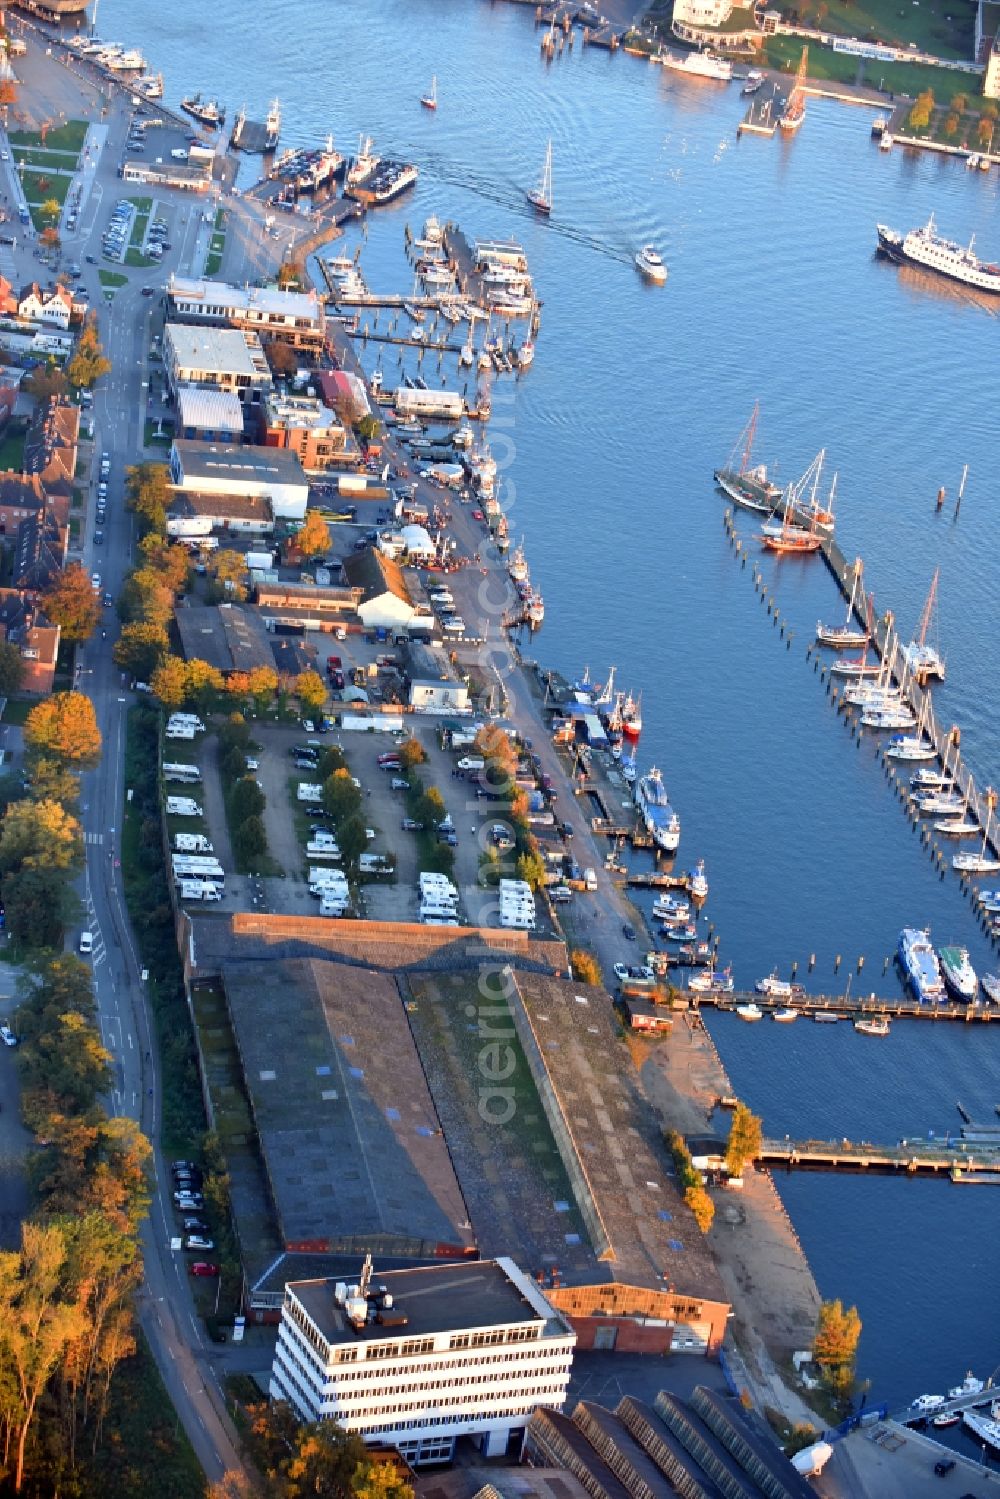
(540, 197)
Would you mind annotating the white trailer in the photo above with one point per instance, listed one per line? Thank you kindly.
(178, 771)
(321, 848)
(199, 890)
(192, 843)
(183, 806)
(310, 792)
(180, 731)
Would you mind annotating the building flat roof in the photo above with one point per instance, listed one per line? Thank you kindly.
(348, 1132)
(219, 410)
(268, 301)
(443, 1298)
(229, 351)
(212, 460)
(188, 502)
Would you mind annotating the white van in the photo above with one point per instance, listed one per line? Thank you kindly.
(198, 890)
(454, 626)
(180, 731)
(183, 806)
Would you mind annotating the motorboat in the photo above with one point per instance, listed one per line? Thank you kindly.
(950, 1418)
(930, 780)
(825, 1017)
(525, 354)
(938, 803)
(957, 827)
(667, 906)
(785, 1016)
(979, 863)
(991, 987)
(872, 1025)
(649, 263)
(870, 696)
(750, 1012)
(710, 982)
(962, 979)
(774, 987)
(659, 817)
(888, 718)
(927, 1403)
(629, 771)
(920, 965)
(910, 747)
(682, 932)
(986, 1429)
(698, 881)
(754, 81)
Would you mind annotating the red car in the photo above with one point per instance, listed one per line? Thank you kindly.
(202, 1267)
(478, 515)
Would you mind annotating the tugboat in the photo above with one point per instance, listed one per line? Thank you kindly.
(205, 111)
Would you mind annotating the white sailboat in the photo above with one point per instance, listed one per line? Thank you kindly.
(430, 99)
(924, 660)
(540, 197)
(847, 635)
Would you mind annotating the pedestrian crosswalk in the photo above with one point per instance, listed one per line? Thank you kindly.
(93, 837)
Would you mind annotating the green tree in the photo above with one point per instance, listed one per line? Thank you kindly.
(531, 867)
(52, 781)
(233, 733)
(313, 539)
(248, 800)
(835, 1345)
(250, 840)
(585, 966)
(310, 689)
(39, 906)
(701, 1206)
(88, 364)
(147, 493)
(746, 1132)
(341, 798)
(64, 727)
(71, 603)
(411, 753)
(331, 759)
(11, 669)
(170, 682)
(140, 649)
(368, 427)
(430, 807)
(352, 838)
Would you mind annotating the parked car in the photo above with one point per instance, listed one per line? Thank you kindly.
(202, 1267)
(198, 1241)
(189, 1201)
(7, 1036)
(410, 825)
(399, 784)
(176, 1166)
(194, 1226)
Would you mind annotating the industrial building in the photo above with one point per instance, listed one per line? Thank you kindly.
(416, 1358)
(209, 415)
(433, 685)
(208, 468)
(227, 636)
(384, 600)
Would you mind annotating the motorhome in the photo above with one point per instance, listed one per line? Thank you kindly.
(183, 806)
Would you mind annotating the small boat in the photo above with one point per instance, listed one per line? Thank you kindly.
(785, 1016)
(430, 100)
(754, 81)
(951, 1418)
(525, 354)
(540, 197)
(666, 906)
(825, 1017)
(711, 982)
(930, 780)
(467, 356)
(874, 1025)
(649, 263)
(960, 977)
(856, 666)
(923, 660)
(685, 932)
(979, 863)
(840, 637)
(957, 827)
(774, 987)
(909, 747)
(794, 111)
(970, 1386)
(698, 881)
(750, 1012)
(888, 718)
(971, 162)
(937, 803)
(991, 987)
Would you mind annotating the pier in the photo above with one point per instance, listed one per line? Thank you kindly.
(846, 1007)
(955, 1159)
(762, 116)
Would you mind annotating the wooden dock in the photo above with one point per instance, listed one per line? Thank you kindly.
(847, 1007)
(762, 116)
(953, 1158)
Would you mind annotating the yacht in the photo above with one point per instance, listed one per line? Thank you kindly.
(648, 261)
(930, 780)
(750, 1012)
(774, 987)
(979, 863)
(991, 987)
(696, 64)
(962, 979)
(925, 247)
(920, 965)
(659, 817)
(910, 747)
(874, 1025)
(888, 718)
(785, 1016)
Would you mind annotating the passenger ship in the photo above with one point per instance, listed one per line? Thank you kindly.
(925, 247)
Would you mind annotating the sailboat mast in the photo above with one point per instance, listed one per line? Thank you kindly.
(751, 433)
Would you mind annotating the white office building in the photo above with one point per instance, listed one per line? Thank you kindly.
(415, 1358)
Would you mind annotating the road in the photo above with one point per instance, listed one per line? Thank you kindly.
(189, 1364)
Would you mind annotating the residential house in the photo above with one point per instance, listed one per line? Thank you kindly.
(50, 448)
(51, 305)
(8, 299)
(40, 547)
(23, 624)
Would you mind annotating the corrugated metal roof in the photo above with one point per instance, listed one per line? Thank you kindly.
(210, 410)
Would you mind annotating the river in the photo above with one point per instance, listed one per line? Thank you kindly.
(610, 440)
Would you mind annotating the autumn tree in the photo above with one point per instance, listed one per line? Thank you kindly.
(88, 364)
(46, 383)
(229, 570)
(585, 966)
(39, 835)
(951, 124)
(71, 603)
(49, 237)
(310, 689)
(170, 682)
(331, 759)
(263, 684)
(746, 1134)
(341, 798)
(64, 727)
(280, 357)
(146, 596)
(411, 753)
(984, 131)
(960, 103)
(835, 1345)
(171, 562)
(204, 682)
(50, 780)
(531, 867)
(50, 210)
(140, 649)
(147, 493)
(701, 1206)
(313, 539)
(12, 669)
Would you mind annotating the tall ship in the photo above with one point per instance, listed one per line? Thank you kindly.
(794, 112)
(205, 111)
(920, 964)
(927, 248)
(659, 818)
(745, 482)
(697, 65)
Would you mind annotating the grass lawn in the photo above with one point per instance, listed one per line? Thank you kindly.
(939, 27)
(783, 52)
(68, 137)
(135, 257)
(17, 709)
(142, 205)
(57, 161)
(39, 185)
(213, 263)
(142, 1435)
(112, 279)
(139, 229)
(12, 451)
(150, 434)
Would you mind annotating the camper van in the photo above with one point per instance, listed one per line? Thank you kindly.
(183, 806)
(192, 843)
(180, 772)
(198, 890)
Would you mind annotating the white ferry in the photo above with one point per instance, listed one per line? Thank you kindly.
(926, 247)
(697, 64)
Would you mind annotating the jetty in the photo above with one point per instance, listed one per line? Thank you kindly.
(954, 1159)
(846, 1007)
(762, 116)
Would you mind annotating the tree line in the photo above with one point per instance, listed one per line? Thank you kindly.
(296, 1460)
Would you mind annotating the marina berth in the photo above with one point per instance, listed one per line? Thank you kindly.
(925, 247)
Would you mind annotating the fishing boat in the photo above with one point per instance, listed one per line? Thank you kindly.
(518, 564)
(698, 881)
(874, 1025)
(785, 1016)
(430, 99)
(774, 987)
(746, 483)
(205, 111)
(794, 111)
(922, 659)
(920, 965)
(658, 816)
(666, 907)
(958, 972)
(846, 636)
(986, 1429)
(540, 197)
(991, 987)
(710, 982)
(750, 1012)
(535, 610)
(632, 717)
(650, 265)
